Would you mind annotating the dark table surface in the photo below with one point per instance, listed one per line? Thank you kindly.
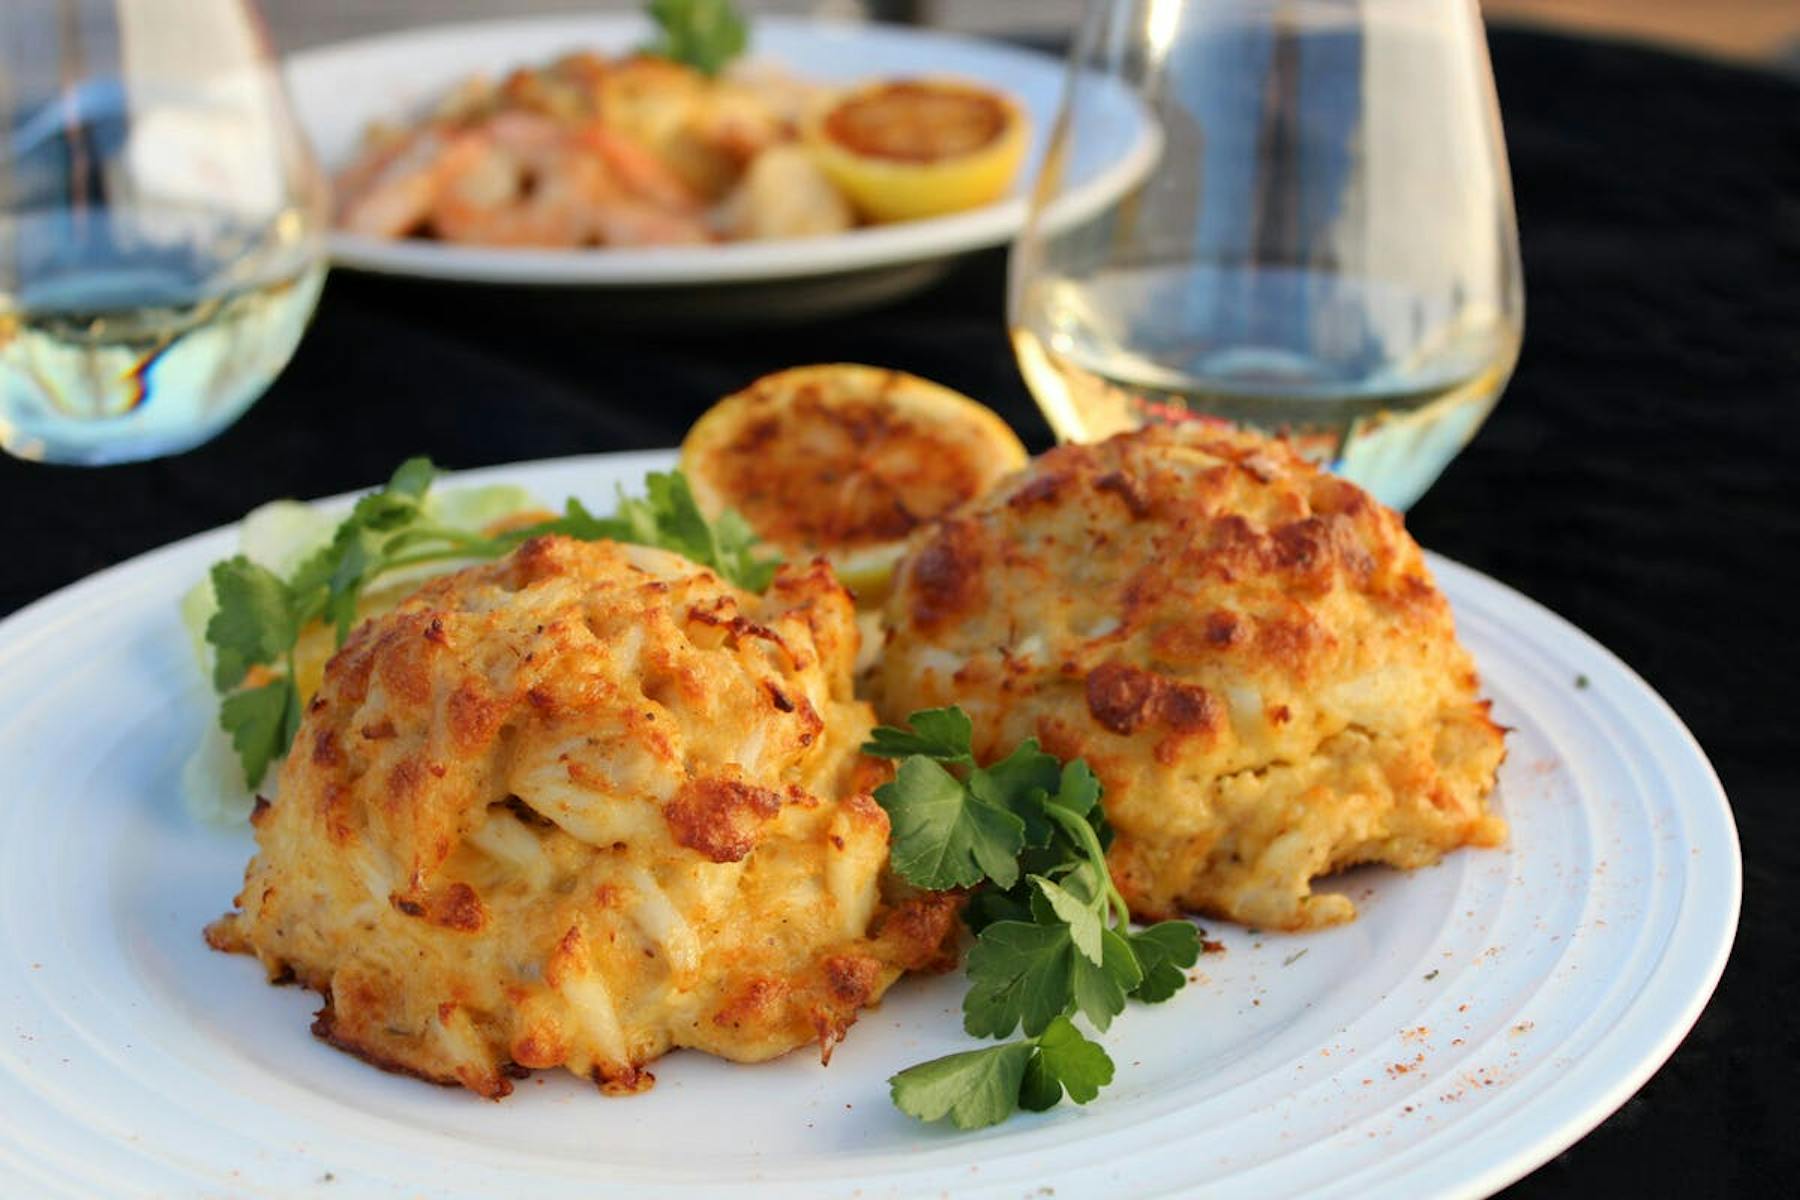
(1637, 478)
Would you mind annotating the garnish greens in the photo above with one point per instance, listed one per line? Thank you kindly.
(1053, 934)
(260, 615)
(704, 34)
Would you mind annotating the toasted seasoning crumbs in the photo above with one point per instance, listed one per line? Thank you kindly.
(1211, 947)
(1293, 958)
(1417, 1063)
(1581, 683)
(1432, 976)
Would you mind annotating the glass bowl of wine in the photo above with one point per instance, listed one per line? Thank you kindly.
(161, 225)
(1325, 247)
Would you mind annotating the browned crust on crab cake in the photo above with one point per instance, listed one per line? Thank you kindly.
(1251, 654)
(577, 808)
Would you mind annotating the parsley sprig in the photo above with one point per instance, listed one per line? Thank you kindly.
(260, 615)
(1053, 935)
(704, 34)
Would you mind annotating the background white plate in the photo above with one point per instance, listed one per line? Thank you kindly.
(1477, 1018)
(338, 90)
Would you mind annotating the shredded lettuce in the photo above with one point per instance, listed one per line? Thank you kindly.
(474, 509)
(212, 781)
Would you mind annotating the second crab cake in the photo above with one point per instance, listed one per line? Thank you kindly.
(1251, 654)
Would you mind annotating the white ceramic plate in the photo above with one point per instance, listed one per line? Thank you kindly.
(1477, 1018)
(339, 90)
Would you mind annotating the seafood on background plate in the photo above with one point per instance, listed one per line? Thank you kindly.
(675, 144)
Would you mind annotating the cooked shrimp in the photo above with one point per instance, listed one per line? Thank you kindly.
(786, 97)
(391, 189)
(634, 223)
(524, 180)
(520, 180)
(471, 100)
(653, 207)
(738, 122)
(568, 89)
(638, 171)
(648, 98)
(784, 195)
(723, 129)
(585, 150)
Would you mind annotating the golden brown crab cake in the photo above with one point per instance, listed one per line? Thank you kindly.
(576, 808)
(1250, 653)
(845, 461)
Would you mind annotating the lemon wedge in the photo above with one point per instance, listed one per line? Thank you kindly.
(913, 148)
(845, 461)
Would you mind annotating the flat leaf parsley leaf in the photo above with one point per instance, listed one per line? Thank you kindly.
(984, 1087)
(1020, 975)
(1085, 925)
(254, 623)
(1072, 1062)
(939, 733)
(704, 34)
(974, 1088)
(262, 722)
(943, 837)
(1053, 934)
(668, 517)
(1020, 783)
(1166, 949)
(1100, 988)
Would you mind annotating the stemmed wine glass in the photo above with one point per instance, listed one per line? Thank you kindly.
(1325, 245)
(161, 225)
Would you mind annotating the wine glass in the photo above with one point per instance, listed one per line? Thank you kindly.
(1324, 246)
(161, 218)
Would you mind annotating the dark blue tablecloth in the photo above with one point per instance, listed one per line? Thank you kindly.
(1637, 478)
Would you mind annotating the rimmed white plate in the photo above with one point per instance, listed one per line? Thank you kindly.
(339, 90)
(1477, 1018)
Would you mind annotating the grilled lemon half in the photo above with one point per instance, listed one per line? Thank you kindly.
(913, 148)
(845, 461)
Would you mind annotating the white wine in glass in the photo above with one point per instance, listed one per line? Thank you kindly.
(1325, 246)
(161, 225)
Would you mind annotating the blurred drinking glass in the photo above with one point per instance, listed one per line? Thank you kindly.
(160, 225)
(1325, 244)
